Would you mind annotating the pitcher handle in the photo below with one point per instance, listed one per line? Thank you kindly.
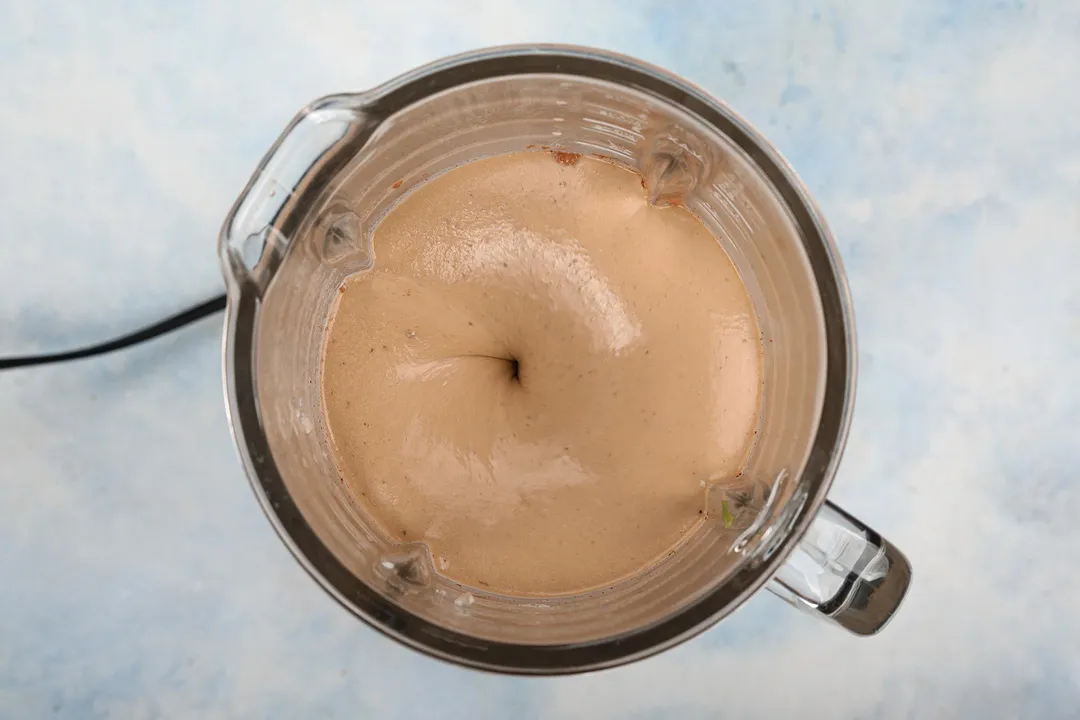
(846, 572)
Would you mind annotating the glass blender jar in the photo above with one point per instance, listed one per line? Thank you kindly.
(304, 223)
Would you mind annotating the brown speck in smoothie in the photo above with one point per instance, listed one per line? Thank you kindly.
(397, 184)
(564, 157)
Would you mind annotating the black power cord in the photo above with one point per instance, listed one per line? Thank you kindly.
(167, 325)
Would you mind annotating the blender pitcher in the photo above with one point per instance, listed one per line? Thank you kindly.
(305, 222)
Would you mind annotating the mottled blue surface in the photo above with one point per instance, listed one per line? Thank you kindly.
(138, 577)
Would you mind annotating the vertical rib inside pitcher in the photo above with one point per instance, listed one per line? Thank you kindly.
(680, 159)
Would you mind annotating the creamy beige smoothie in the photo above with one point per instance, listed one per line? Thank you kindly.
(541, 374)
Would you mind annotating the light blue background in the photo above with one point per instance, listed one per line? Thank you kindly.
(138, 577)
